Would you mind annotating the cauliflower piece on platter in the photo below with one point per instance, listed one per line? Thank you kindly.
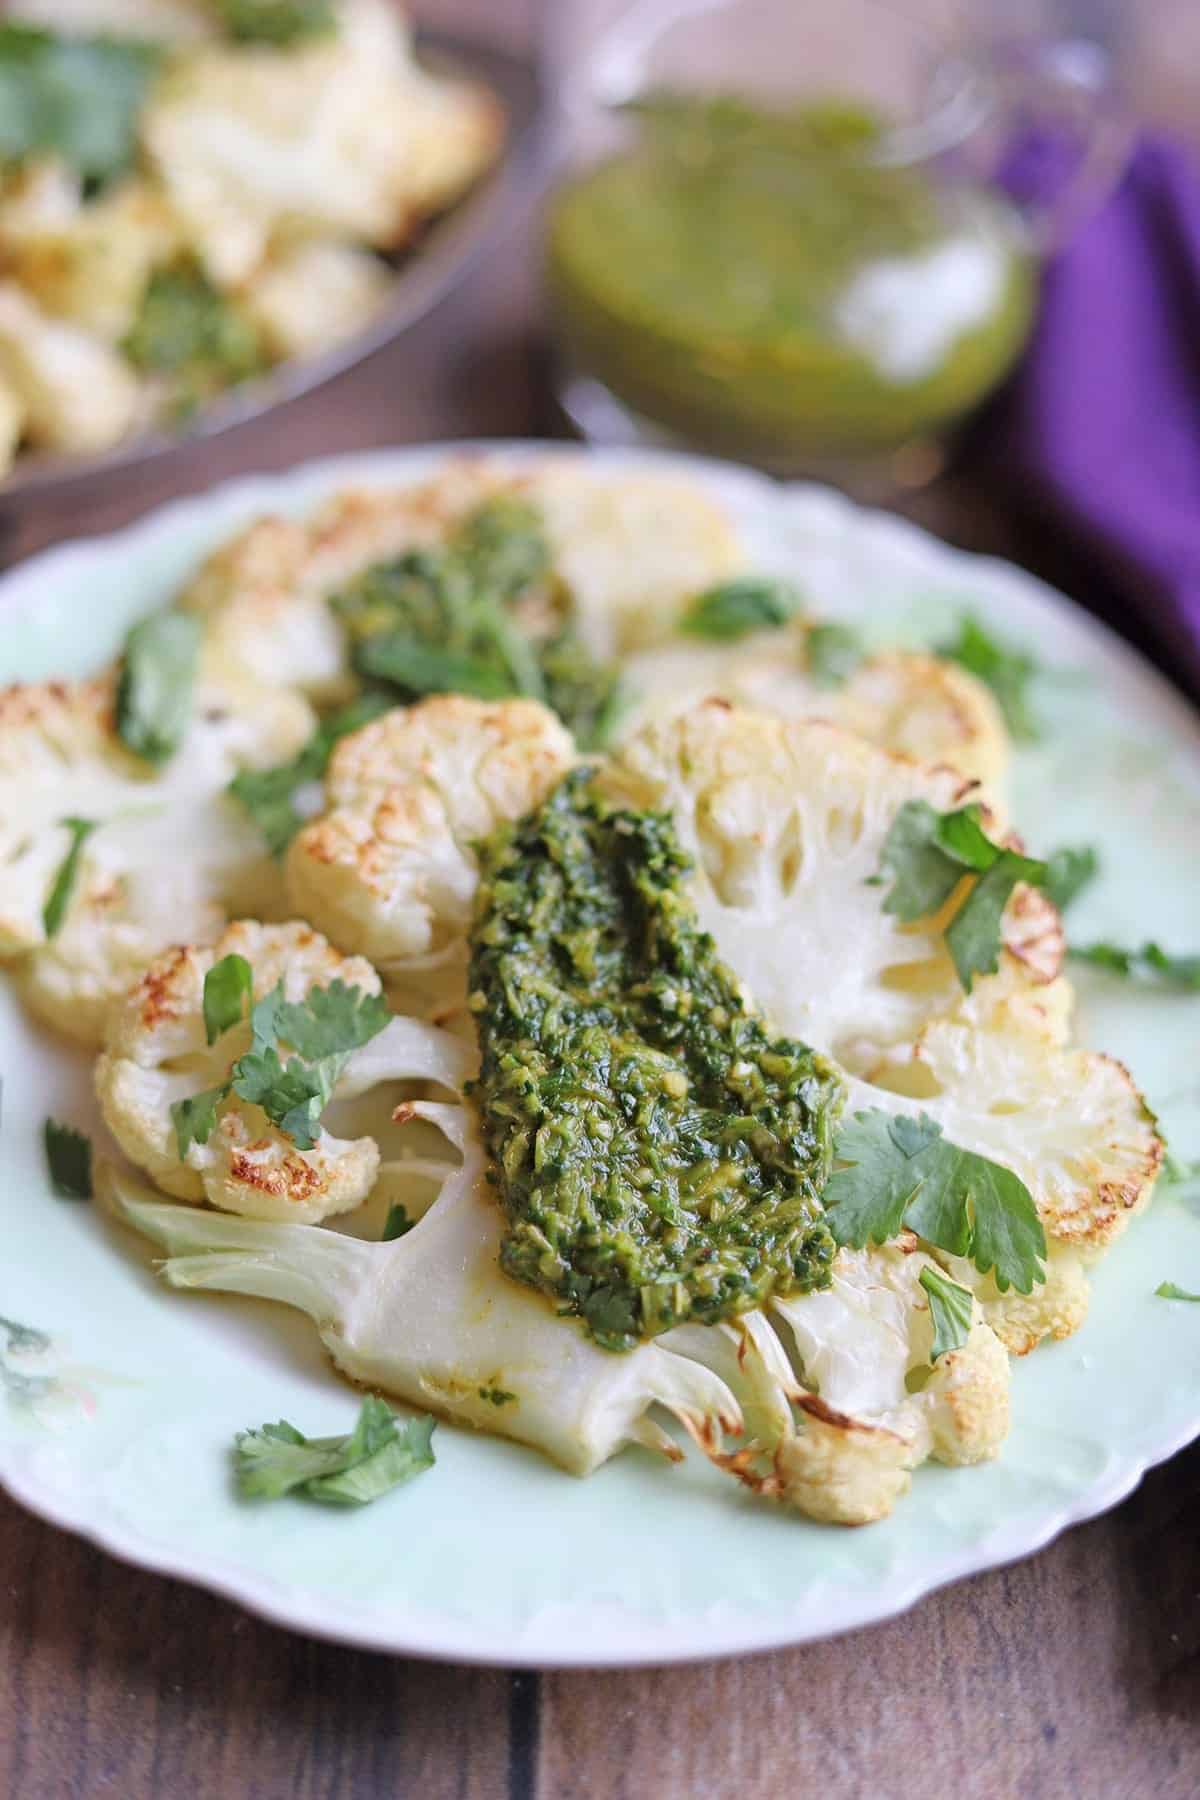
(632, 551)
(77, 393)
(389, 868)
(265, 593)
(787, 822)
(918, 706)
(157, 1053)
(431, 1319)
(840, 1398)
(168, 855)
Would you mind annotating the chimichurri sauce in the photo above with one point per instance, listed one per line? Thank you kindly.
(658, 1154)
(759, 281)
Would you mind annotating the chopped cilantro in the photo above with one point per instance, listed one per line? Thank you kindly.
(228, 988)
(63, 885)
(899, 1171)
(1068, 871)
(375, 1457)
(834, 652)
(1007, 671)
(68, 1159)
(497, 1396)
(154, 694)
(734, 608)
(927, 853)
(950, 1307)
(278, 22)
(1149, 962)
(77, 98)
(1167, 1290)
(324, 1029)
(269, 795)
(189, 330)
(397, 1224)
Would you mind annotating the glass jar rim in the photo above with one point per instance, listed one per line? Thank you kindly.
(959, 102)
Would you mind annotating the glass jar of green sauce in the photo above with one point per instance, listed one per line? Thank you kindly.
(780, 247)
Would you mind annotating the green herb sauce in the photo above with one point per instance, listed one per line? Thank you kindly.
(658, 1154)
(759, 281)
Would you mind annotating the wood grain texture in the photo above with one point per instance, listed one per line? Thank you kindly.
(1076, 1673)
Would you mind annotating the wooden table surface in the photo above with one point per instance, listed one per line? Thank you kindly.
(1076, 1673)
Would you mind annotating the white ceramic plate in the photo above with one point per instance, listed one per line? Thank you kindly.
(122, 1398)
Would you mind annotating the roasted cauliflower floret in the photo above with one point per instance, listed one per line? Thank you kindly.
(12, 425)
(91, 268)
(787, 822)
(839, 1397)
(167, 853)
(265, 593)
(341, 135)
(389, 868)
(308, 296)
(631, 551)
(76, 392)
(157, 1053)
(917, 706)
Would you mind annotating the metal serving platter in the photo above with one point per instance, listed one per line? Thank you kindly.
(424, 274)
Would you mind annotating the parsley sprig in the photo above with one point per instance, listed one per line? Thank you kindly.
(323, 1030)
(378, 1455)
(927, 853)
(899, 1171)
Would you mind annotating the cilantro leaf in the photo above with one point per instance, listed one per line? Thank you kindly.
(734, 608)
(397, 1224)
(950, 1308)
(833, 652)
(227, 986)
(74, 97)
(1068, 871)
(269, 795)
(189, 330)
(1167, 1290)
(377, 1455)
(415, 668)
(973, 936)
(195, 1117)
(407, 1454)
(332, 1021)
(1006, 670)
(279, 22)
(63, 885)
(927, 853)
(154, 695)
(68, 1160)
(903, 1172)
(1149, 962)
(924, 874)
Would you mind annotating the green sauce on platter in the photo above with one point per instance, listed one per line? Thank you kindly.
(658, 1154)
(758, 282)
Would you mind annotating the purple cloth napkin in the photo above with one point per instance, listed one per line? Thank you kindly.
(1100, 426)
